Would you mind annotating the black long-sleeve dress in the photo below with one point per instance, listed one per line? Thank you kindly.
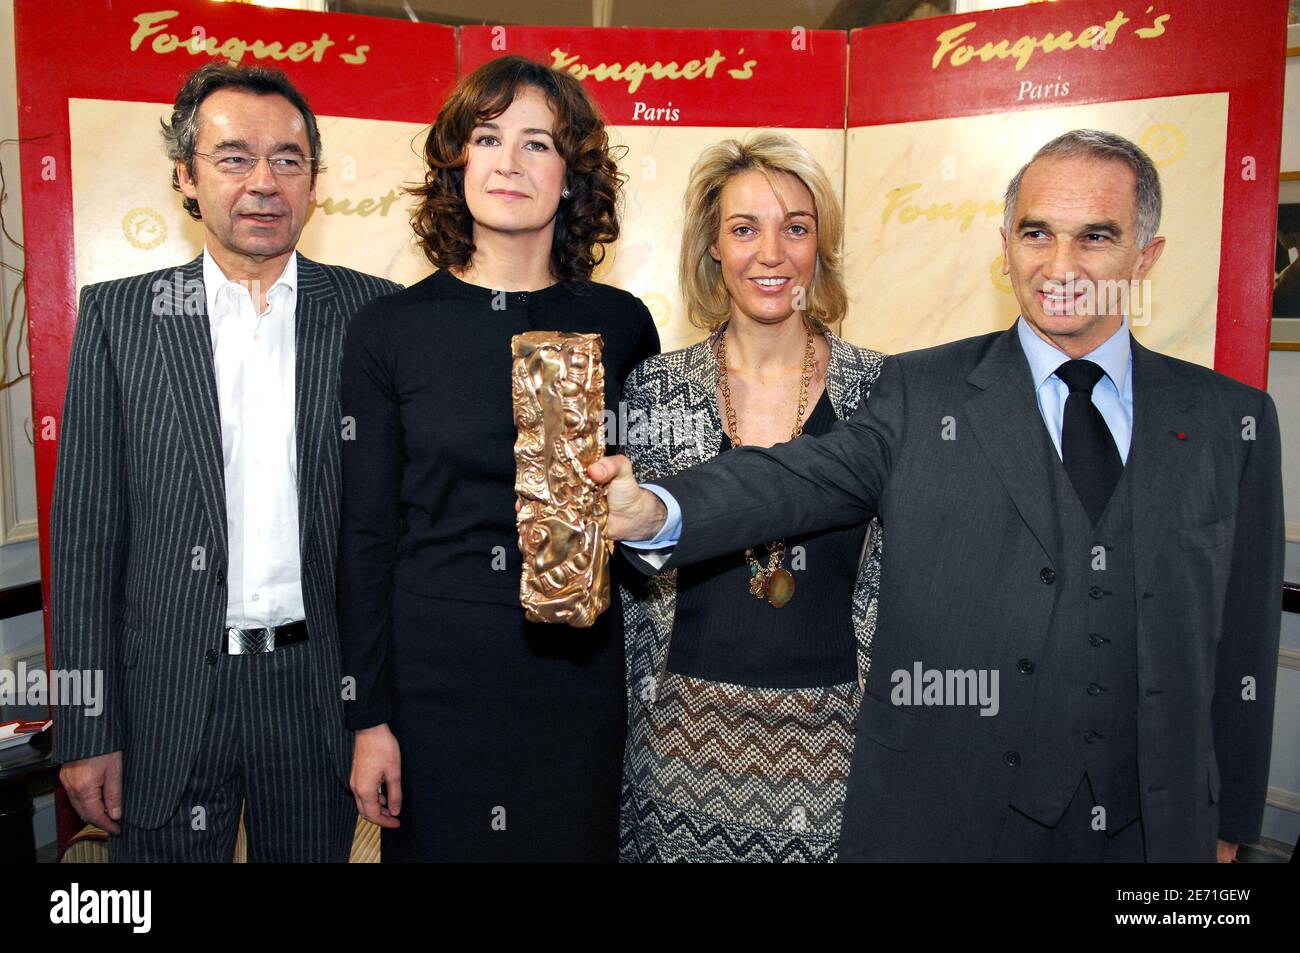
(511, 732)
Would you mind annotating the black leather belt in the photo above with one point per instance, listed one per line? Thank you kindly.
(257, 641)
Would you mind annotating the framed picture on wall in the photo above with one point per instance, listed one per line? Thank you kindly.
(1286, 262)
(1286, 334)
(1290, 170)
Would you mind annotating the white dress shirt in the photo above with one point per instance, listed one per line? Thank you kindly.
(254, 359)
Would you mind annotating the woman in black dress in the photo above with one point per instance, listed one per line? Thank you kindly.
(479, 736)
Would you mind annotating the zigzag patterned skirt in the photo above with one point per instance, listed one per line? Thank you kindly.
(725, 773)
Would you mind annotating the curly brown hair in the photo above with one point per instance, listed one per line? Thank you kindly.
(585, 222)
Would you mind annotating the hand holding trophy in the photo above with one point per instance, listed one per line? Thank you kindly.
(558, 385)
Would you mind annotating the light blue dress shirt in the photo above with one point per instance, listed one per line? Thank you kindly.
(1113, 396)
(672, 531)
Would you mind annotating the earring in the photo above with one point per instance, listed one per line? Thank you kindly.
(566, 193)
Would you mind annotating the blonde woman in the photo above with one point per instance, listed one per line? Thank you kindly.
(744, 672)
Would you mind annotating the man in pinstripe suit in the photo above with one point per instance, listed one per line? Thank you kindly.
(196, 507)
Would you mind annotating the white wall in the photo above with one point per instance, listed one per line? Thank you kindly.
(19, 562)
(17, 480)
(1282, 816)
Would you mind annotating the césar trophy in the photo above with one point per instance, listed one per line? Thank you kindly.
(558, 385)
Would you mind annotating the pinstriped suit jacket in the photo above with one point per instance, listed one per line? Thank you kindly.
(140, 483)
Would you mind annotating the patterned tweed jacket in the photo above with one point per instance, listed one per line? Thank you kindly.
(714, 771)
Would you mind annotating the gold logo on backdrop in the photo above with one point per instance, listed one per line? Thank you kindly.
(659, 307)
(635, 72)
(958, 49)
(364, 208)
(606, 263)
(1164, 142)
(198, 43)
(901, 202)
(144, 228)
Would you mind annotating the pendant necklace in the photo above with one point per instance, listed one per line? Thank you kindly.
(771, 582)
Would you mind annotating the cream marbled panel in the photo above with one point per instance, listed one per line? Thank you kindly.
(128, 220)
(923, 268)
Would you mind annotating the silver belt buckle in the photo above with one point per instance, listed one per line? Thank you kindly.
(249, 641)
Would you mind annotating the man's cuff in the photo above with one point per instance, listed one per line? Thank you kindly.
(671, 532)
(358, 716)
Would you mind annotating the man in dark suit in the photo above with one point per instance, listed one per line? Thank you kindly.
(1080, 602)
(196, 501)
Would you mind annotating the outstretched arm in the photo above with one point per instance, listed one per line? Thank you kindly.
(754, 494)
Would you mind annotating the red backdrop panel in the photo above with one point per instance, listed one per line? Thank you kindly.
(976, 63)
(139, 51)
(709, 77)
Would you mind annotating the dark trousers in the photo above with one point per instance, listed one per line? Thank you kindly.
(1073, 839)
(261, 751)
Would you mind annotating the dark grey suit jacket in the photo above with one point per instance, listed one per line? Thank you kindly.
(140, 485)
(971, 528)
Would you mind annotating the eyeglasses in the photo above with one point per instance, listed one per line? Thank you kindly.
(239, 165)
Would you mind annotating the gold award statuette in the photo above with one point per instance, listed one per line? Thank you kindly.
(558, 385)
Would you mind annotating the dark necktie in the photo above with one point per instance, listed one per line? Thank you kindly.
(1087, 448)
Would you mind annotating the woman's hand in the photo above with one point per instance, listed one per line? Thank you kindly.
(376, 761)
(634, 513)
